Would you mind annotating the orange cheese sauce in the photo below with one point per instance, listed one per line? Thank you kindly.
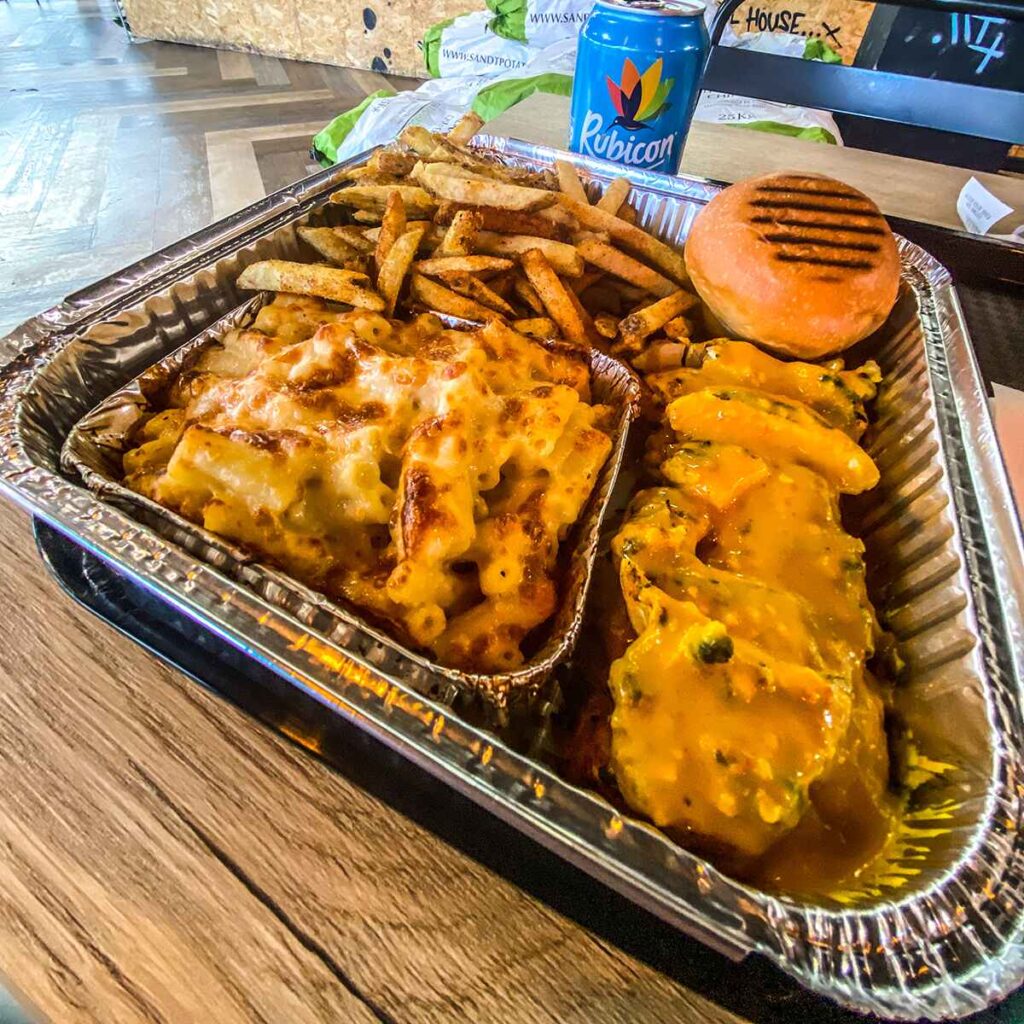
(745, 722)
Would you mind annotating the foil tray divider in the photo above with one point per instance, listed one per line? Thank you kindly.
(948, 947)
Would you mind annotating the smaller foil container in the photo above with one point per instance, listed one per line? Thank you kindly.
(936, 931)
(96, 445)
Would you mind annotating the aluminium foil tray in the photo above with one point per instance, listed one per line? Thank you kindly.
(940, 934)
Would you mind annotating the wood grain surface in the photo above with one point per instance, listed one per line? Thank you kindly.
(163, 857)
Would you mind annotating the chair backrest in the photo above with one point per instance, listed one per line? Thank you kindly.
(983, 112)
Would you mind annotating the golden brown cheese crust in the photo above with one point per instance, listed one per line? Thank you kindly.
(425, 475)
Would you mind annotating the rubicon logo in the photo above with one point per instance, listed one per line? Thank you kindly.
(596, 140)
(639, 98)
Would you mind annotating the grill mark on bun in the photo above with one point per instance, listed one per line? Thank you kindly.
(817, 261)
(820, 225)
(849, 211)
(823, 193)
(790, 238)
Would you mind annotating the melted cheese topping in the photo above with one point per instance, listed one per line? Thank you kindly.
(425, 475)
(743, 710)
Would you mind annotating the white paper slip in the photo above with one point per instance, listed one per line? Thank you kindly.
(978, 208)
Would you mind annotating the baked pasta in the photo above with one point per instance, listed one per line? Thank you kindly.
(424, 475)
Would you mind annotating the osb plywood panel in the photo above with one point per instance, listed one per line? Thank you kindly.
(840, 23)
(381, 35)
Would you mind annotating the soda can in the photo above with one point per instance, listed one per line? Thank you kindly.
(638, 71)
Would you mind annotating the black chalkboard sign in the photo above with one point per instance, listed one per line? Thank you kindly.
(972, 48)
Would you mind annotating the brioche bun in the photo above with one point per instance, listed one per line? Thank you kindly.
(801, 263)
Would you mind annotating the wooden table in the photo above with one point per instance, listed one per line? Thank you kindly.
(164, 857)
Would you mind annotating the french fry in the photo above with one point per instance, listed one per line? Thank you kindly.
(392, 226)
(475, 289)
(482, 192)
(539, 327)
(507, 222)
(501, 284)
(395, 266)
(587, 280)
(558, 215)
(590, 236)
(431, 238)
(527, 294)
(614, 196)
(564, 258)
(661, 356)
(589, 330)
(367, 175)
(374, 198)
(445, 169)
(450, 154)
(630, 237)
(311, 279)
(461, 264)
(419, 139)
(678, 328)
(367, 216)
(391, 161)
(644, 322)
(554, 295)
(443, 300)
(626, 213)
(458, 239)
(356, 237)
(606, 325)
(569, 181)
(466, 127)
(328, 243)
(610, 259)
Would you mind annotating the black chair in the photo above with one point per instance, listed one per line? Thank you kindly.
(946, 106)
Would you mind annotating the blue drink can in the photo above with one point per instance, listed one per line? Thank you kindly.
(638, 71)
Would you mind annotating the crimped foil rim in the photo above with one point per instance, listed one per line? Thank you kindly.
(691, 893)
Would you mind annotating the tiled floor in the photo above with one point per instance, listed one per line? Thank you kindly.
(110, 149)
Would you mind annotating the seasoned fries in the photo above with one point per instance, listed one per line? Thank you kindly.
(311, 279)
(374, 198)
(468, 125)
(644, 322)
(392, 225)
(557, 299)
(473, 288)
(636, 240)
(330, 244)
(608, 258)
(508, 222)
(396, 265)
(564, 258)
(458, 239)
(439, 299)
(569, 181)
(615, 195)
(482, 192)
(527, 294)
(354, 236)
(539, 327)
(449, 229)
(462, 264)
